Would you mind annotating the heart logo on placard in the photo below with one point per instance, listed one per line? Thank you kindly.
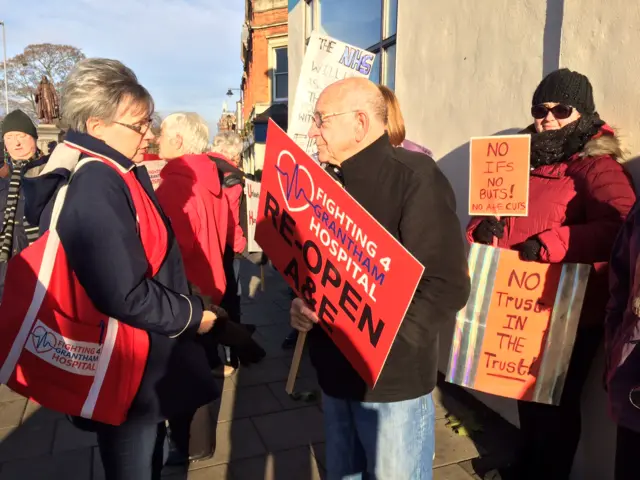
(43, 340)
(296, 183)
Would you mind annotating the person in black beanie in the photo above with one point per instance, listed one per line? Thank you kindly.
(579, 197)
(22, 158)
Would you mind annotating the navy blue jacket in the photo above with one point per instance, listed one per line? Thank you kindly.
(97, 228)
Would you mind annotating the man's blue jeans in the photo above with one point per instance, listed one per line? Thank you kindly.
(379, 440)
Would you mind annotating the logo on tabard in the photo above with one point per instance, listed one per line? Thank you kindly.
(72, 355)
(296, 183)
(43, 340)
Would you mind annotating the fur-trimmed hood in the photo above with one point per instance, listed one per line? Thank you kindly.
(606, 142)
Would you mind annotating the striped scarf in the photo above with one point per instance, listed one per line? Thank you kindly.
(13, 197)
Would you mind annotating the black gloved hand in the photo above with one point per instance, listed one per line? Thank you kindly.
(487, 229)
(238, 336)
(529, 250)
(220, 312)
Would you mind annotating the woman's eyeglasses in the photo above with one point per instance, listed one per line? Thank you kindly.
(137, 128)
(560, 111)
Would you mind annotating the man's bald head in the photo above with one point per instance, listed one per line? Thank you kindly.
(353, 115)
(358, 94)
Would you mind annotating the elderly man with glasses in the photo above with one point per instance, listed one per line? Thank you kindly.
(387, 431)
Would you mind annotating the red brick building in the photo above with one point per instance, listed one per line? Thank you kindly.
(265, 77)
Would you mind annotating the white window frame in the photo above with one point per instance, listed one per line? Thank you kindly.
(380, 48)
(275, 42)
(311, 18)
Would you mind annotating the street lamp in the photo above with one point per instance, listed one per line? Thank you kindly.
(6, 88)
(241, 112)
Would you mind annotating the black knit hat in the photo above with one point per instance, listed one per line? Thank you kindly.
(18, 121)
(566, 87)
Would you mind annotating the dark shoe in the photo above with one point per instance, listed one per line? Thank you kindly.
(178, 459)
(198, 457)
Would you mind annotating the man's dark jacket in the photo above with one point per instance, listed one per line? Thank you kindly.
(408, 194)
(20, 241)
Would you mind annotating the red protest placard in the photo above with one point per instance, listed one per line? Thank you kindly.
(499, 175)
(334, 254)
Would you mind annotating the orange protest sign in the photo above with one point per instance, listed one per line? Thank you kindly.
(514, 339)
(515, 336)
(499, 175)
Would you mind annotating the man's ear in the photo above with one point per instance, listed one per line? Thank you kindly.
(362, 125)
(178, 141)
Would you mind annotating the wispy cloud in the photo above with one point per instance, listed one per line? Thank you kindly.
(186, 52)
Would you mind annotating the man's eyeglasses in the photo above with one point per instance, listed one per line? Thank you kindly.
(319, 118)
(559, 111)
(141, 129)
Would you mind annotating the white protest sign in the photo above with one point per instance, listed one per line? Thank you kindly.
(252, 192)
(326, 61)
(154, 167)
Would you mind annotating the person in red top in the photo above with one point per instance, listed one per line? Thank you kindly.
(225, 152)
(191, 195)
(579, 197)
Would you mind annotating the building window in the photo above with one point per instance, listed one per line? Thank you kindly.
(309, 19)
(370, 24)
(389, 61)
(280, 74)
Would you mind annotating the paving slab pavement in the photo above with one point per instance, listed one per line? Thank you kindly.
(261, 432)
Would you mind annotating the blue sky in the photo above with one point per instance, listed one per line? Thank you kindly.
(186, 52)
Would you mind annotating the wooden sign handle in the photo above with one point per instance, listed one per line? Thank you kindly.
(295, 362)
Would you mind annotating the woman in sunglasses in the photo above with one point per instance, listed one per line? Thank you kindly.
(579, 197)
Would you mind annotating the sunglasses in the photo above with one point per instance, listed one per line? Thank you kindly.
(560, 111)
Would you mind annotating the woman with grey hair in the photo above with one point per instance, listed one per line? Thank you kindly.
(229, 145)
(226, 151)
(125, 257)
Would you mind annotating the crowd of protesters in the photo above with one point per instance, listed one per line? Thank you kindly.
(167, 262)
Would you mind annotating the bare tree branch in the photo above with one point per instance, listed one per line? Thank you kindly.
(25, 70)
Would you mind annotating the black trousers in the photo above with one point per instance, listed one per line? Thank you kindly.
(551, 433)
(180, 431)
(231, 302)
(232, 298)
